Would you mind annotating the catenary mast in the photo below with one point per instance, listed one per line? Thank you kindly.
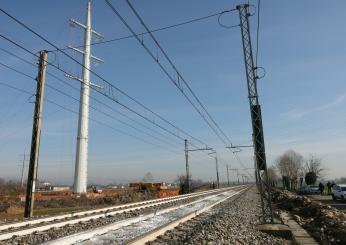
(81, 165)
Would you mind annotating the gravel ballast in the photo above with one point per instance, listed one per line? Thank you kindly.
(54, 233)
(231, 222)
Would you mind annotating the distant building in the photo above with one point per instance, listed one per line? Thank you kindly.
(57, 188)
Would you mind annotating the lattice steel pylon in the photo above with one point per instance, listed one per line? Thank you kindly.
(256, 117)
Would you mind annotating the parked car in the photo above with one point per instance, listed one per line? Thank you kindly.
(302, 190)
(313, 189)
(339, 191)
(308, 190)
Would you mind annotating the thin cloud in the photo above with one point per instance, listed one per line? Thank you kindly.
(298, 114)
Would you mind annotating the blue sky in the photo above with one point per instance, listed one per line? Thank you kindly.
(303, 94)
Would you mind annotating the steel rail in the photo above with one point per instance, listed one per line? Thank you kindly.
(85, 235)
(152, 235)
(60, 221)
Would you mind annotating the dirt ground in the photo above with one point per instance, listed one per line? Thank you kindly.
(328, 200)
(324, 222)
(11, 210)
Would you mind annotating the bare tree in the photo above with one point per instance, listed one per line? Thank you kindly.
(314, 165)
(148, 177)
(272, 176)
(289, 165)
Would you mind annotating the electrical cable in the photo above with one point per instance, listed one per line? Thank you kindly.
(116, 101)
(94, 73)
(92, 107)
(112, 86)
(91, 119)
(155, 30)
(258, 27)
(90, 96)
(160, 65)
(176, 70)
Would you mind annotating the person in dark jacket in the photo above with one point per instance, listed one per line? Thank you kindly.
(329, 186)
(321, 187)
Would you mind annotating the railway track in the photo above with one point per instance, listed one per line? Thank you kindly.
(115, 216)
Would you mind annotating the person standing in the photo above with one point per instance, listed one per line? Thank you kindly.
(329, 185)
(321, 187)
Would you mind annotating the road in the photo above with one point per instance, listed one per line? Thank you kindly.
(327, 199)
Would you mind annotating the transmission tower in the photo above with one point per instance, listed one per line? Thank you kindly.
(80, 177)
(256, 117)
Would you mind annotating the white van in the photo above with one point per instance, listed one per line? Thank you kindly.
(339, 192)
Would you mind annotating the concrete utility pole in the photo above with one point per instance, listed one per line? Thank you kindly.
(217, 172)
(22, 176)
(227, 175)
(81, 166)
(187, 179)
(237, 170)
(36, 134)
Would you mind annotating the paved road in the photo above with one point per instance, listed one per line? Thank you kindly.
(329, 201)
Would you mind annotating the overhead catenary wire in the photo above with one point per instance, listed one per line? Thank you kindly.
(119, 103)
(258, 29)
(94, 108)
(75, 99)
(176, 70)
(219, 14)
(97, 75)
(226, 139)
(176, 83)
(90, 118)
(92, 97)
(75, 112)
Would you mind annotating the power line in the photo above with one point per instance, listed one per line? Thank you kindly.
(90, 96)
(65, 94)
(180, 76)
(176, 83)
(154, 30)
(107, 82)
(15, 70)
(94, 108)
(121, 104)
(94, 73)
(258, 27)
(75, 112)
(18, 57)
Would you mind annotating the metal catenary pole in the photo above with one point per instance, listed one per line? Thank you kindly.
(256, 117)
(188, 176)
(35, 139)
